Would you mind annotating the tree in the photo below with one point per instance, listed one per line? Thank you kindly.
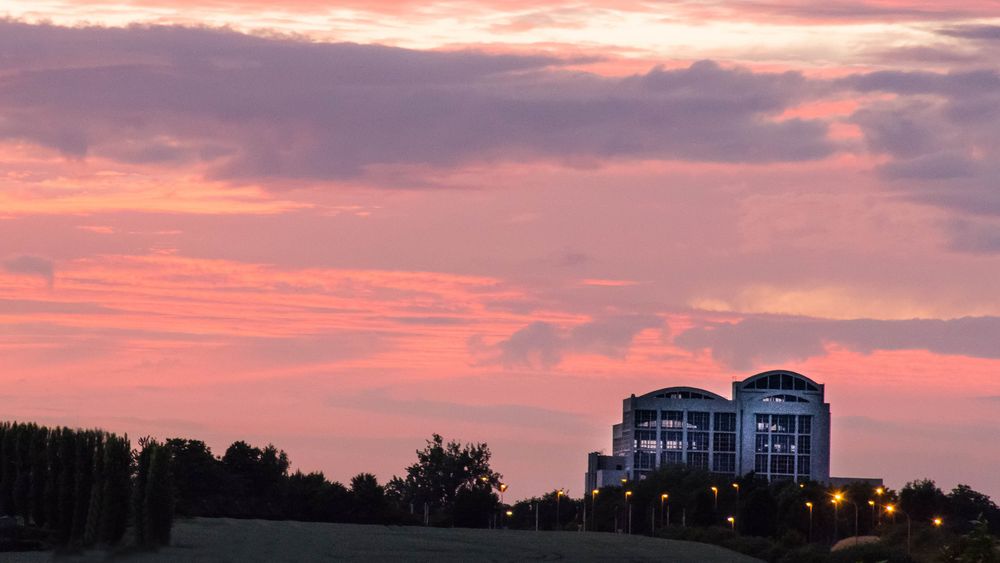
(965, 506)
(922, 500)
(197, 477)
(442, 471)
(368, 504)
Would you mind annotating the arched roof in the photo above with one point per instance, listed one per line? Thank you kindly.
(683, 393)
(780, 379)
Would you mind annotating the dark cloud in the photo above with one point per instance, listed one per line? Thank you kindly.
(30, 266)
(973, 31)
(252, 108)
(544, 344)
(759, 341)
(942, 132)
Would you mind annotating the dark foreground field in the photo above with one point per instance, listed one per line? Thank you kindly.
(241, 541)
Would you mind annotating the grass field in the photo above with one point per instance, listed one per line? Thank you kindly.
(249, 541)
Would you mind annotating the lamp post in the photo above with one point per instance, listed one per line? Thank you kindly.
(628, 495)
(892, 510)
(871, 503)
(937, 521)
(732, 523)
(715, 501)
(737, 487)
(593, 510)
(663, 502)
(559, 495)
(809, 505)
(837, 497)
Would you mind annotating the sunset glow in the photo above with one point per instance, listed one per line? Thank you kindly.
(340, 227)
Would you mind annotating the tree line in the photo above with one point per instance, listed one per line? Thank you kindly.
(83, 488)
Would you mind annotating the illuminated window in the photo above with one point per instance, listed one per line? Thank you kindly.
(672, 419)
(645, 439)
(763, 424)
(673, 440)
(645, 419)
(782, 444)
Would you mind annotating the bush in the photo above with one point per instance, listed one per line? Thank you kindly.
(870, 553)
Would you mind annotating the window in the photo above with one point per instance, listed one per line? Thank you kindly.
(784, 399)
(672, 419)
(787, 381)
(698, 460)
(698, 441)
(783, 423)
(804, 466)
(805, 424)
(724, 442)
(644, 460)
(760, 463)
(697, 420)
(762, 443)
(763, 424)
(645, 439)
(783, 464)
(671, 458)
(645, 419)
(805, 444)
(673, 440)
(782, 444)
(725, 422)
(724, 463)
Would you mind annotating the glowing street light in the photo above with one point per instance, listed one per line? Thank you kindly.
(732, 523)
(871, 503)
(809, 505)
(892, 510)
(593, 509)
(937, 522)
(663, 502)
(510, 513)
(715, 502)
(837, 497)
(628, 495)
(737, 487)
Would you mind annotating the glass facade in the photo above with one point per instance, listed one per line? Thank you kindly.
(782, 444)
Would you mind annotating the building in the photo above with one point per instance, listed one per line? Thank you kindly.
(777, 425)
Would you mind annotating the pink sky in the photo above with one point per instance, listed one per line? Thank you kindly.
(341, 227)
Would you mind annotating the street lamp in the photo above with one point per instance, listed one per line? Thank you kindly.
(593, 509)
(732, 523)
(715, 502)
(628, 494)
(737, 487)
(809, 505)
(937, 522)
(559, 495)
(892, 510)
(871, 503)
(837, 497)
(663, 502)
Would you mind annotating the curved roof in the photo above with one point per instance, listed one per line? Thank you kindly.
(780, 379)
(683, 393)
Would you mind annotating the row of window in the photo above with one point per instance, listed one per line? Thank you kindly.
(674, 440)
(784, 423)
(782, 444)
(784, 381)
(721, 462)
(781, 464)
(696, 420)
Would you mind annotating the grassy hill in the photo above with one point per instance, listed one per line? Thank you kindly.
(241, 541)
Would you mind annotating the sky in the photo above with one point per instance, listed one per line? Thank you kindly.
(340, 227)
